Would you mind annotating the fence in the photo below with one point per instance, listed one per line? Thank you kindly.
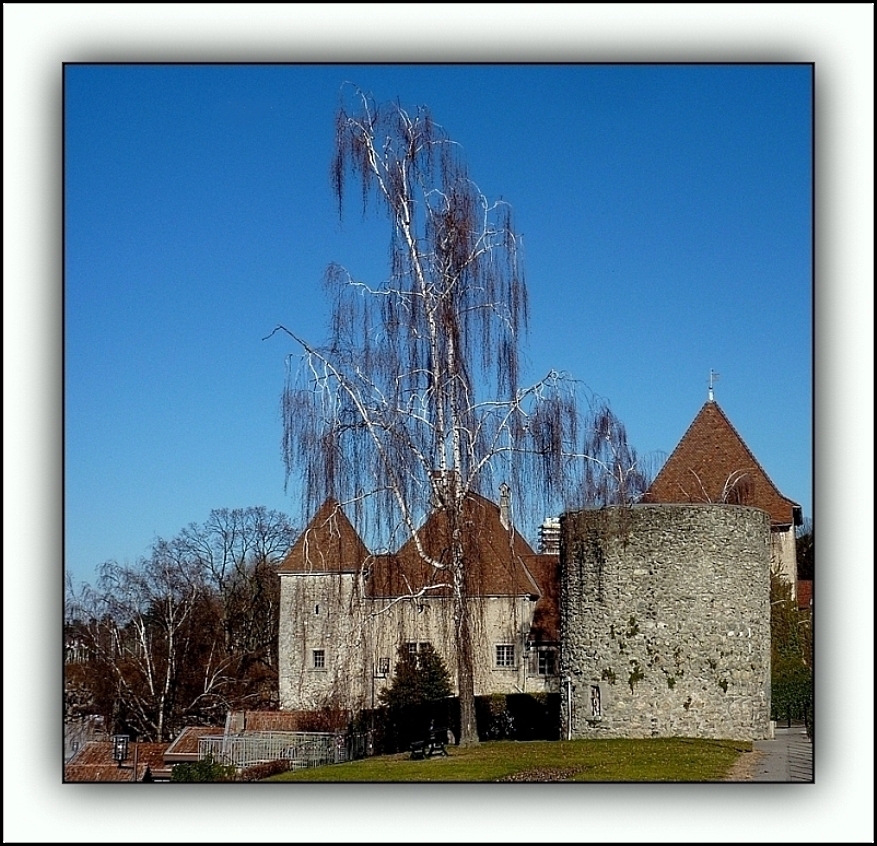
(301, 748)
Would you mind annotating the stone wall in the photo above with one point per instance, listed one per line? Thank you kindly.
(666, 622)
(359, 637)
(783, 556)
(322, 613)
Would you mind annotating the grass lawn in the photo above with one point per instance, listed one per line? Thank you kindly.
(660, 759)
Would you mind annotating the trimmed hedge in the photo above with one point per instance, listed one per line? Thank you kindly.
(260, 771)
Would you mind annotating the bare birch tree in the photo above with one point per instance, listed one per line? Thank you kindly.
(138, 626)
(386, 416)
(187, 633)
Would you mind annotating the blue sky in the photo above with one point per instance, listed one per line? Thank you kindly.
(666, 214)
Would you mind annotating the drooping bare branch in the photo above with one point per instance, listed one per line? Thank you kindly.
(385, 416)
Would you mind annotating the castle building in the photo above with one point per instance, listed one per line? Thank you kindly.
(650, 619)
(345, 611)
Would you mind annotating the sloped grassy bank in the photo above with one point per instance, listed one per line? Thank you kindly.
(616, 760)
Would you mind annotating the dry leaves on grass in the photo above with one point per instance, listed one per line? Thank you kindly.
(542, 774)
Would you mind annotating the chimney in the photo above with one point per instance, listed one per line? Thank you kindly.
(505, 505)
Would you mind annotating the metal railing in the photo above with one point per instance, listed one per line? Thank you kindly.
(301, 748)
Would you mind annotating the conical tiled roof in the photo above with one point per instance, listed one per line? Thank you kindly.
(329, 544)
(713, 464)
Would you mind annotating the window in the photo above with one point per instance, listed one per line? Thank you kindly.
(545, 662)
(596, 705)
(505, 655)
(319, 659)
(416, 649)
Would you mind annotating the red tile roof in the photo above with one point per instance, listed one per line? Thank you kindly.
(805, 593)
(284, 720)
(329, 544)
(712, 464)
(495, 557)
(94, 762)
(546, 616)
(185, 745)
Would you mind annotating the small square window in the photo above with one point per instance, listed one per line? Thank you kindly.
(505, 655)
(319, 659)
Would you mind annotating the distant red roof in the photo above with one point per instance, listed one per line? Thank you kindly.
(250, 721)
(94, 762)
(185, 745)
(805, 593)
(712, 464)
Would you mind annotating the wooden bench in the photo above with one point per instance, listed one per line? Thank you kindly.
(435, 744)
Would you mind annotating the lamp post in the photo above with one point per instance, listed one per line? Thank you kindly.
(120, 753)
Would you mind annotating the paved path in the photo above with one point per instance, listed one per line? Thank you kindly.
(788, 757)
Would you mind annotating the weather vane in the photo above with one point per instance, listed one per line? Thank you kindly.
(713, 378)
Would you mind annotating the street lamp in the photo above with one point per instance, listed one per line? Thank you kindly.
(120, 748)
(120, 753)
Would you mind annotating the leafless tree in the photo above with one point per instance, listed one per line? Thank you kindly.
(138, 625)
(386, 416)
(186, 633)
(238, 549)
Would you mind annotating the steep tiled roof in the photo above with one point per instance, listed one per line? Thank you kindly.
(494, 554)
(545, 569)
(712, 464)
(329, 544)
(94, 762)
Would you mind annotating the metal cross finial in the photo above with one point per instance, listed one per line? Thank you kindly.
(713, 378)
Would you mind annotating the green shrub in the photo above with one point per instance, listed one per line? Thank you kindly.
(791, 676)
(206, 770)
(417, 679)
(417, 697)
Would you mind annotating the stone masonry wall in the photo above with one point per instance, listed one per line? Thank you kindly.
(322, 612)
(666, 622)
(327, 612)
